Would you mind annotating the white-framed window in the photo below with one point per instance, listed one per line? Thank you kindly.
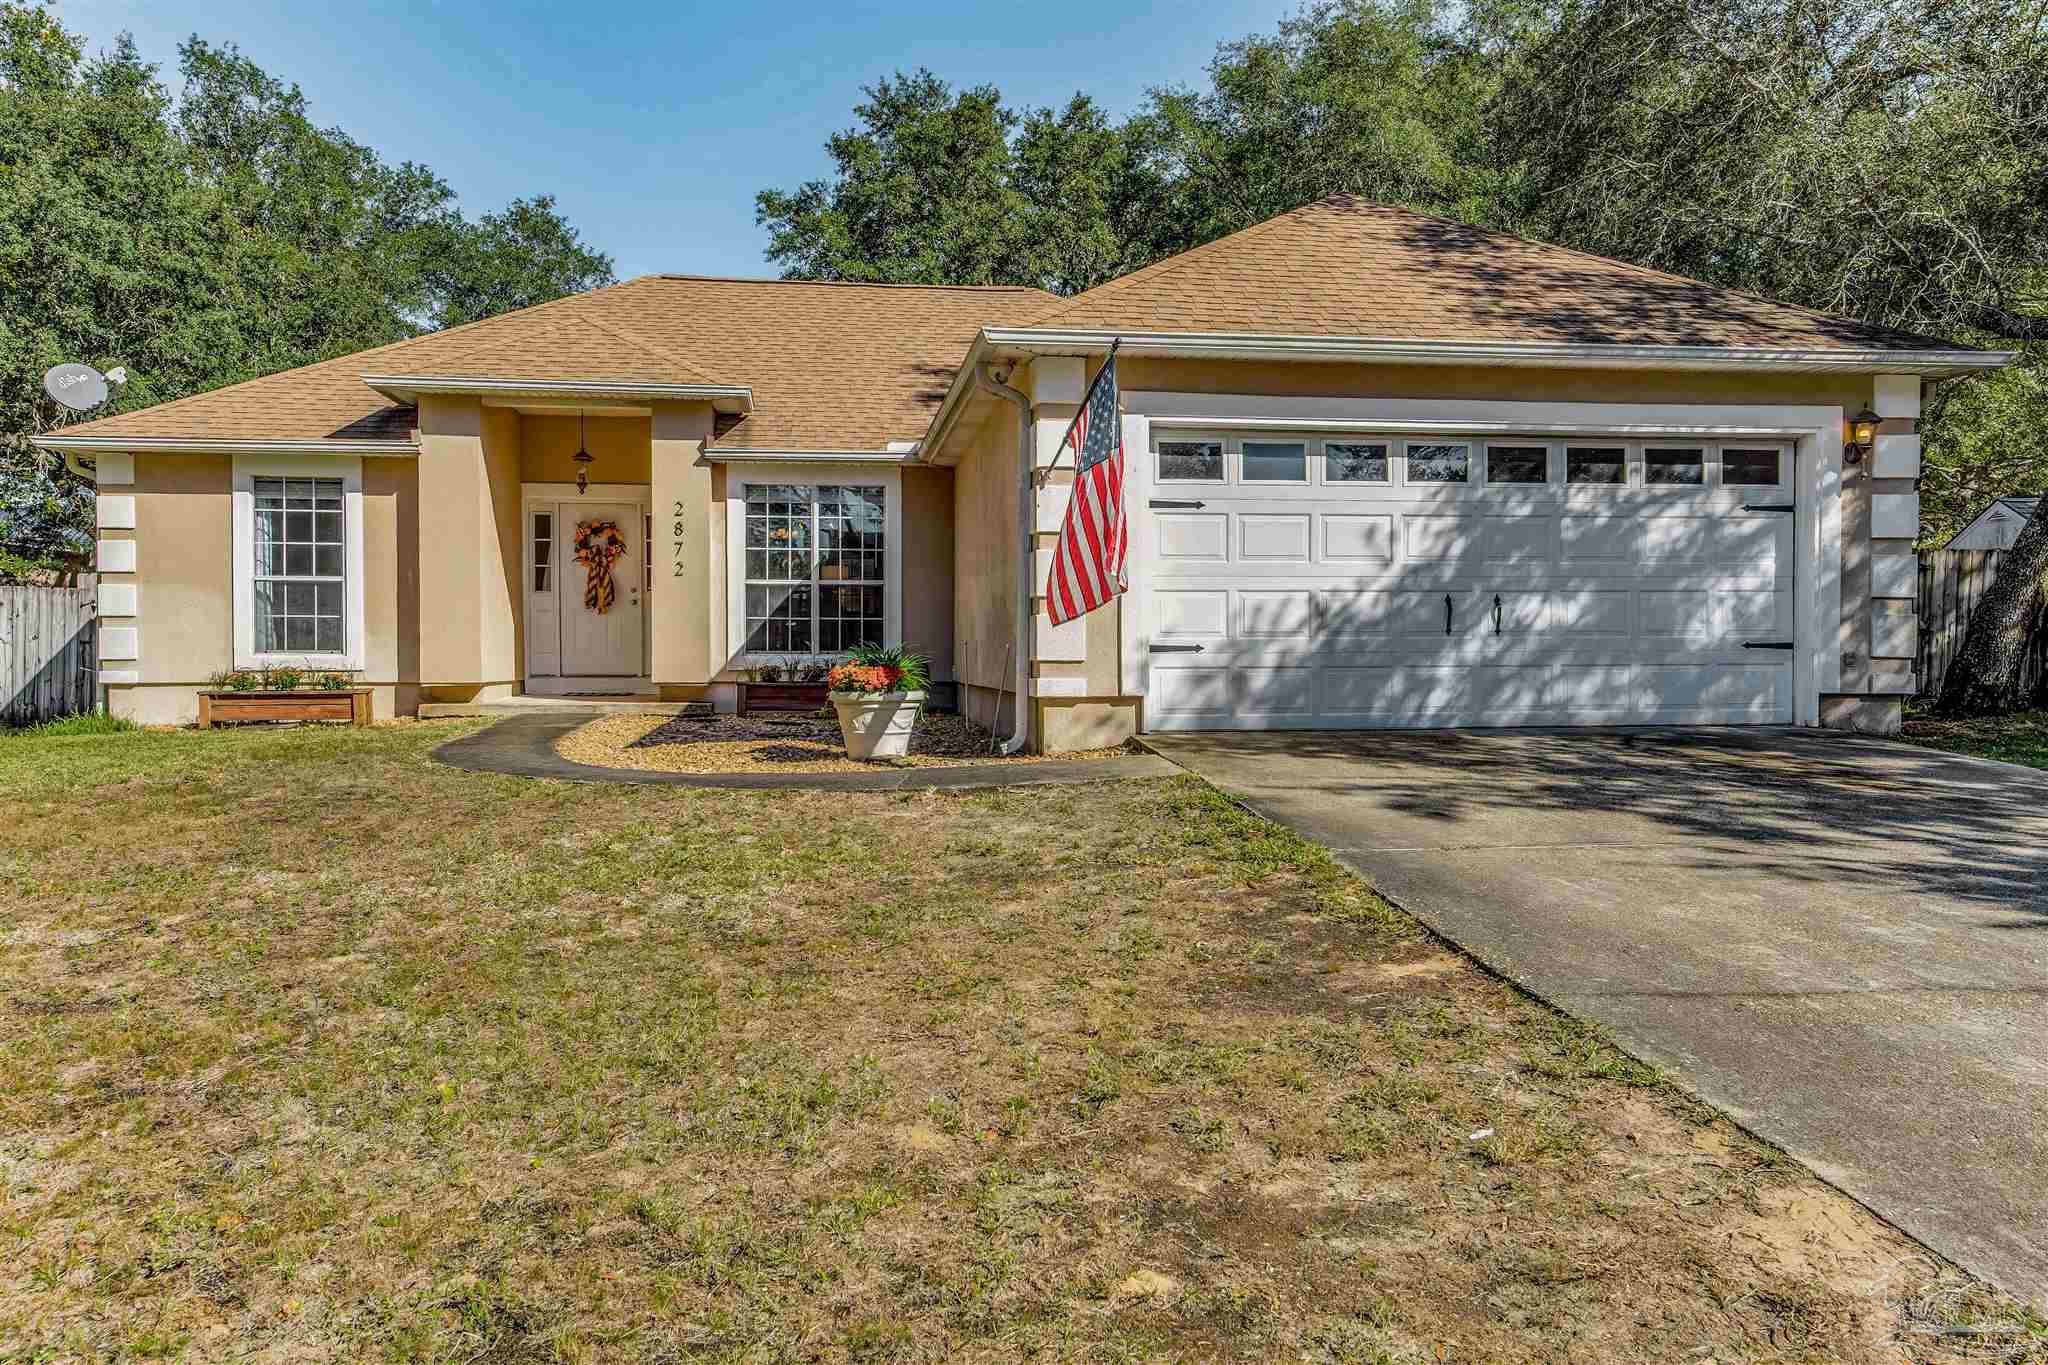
(1598, 464)
(1273, 462)
(1439, 462)
(1752, 466)
(300, 574)
(1679, 466)
(1357, 461)
(543, 551)
(1190, 461)
(298, 561)
(815, 561)
(1517, 463)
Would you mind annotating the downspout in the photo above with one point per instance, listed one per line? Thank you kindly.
(985, 377)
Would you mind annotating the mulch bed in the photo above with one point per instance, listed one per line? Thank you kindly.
(783, 744)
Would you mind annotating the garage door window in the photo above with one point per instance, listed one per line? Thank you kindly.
(1683, 465)
(1191, 461)
(1596, 464)
(1355, 462)
(1430, 463)
(1518, 464)
(1749, 468)
(1275, 462)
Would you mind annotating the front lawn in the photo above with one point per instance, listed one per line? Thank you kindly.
(2021, 738)
(311, 1049)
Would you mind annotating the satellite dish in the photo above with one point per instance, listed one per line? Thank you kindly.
(80, 387)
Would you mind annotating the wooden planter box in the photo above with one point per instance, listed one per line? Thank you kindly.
(351, 704)
(760, 696)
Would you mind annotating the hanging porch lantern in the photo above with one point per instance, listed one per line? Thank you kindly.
(583, 457)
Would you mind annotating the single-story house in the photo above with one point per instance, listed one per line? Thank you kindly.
(1996, 527)
(1383, 470)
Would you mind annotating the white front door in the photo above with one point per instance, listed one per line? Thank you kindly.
(601, 631)
(1381, 581)
(575, 629)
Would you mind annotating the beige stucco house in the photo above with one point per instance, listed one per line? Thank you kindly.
(1384, 470)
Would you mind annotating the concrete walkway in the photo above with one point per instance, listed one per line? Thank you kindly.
(1841, 942)
(524, 746)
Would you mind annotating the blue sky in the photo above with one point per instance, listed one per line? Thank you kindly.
(655, 123)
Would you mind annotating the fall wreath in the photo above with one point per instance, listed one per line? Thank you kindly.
(598, 544)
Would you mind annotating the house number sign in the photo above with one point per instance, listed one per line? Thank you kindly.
(676, 570)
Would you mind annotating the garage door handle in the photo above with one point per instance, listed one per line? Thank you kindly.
(1176, 649)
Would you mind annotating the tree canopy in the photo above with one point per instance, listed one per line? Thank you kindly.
(1881, 159)
(211, 236)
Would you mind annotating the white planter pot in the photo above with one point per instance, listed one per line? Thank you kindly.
(877, 726)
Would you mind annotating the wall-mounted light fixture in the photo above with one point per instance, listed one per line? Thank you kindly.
(583, 457)
(1862, 436)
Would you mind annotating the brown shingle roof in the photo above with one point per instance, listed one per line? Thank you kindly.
(857, 366)
(1346, 266)
(832, 366)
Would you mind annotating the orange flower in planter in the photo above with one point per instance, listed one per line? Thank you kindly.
(864, 678)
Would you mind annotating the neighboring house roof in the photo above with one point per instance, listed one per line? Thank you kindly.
(1348, 267)
(855, 367)
(2004, 514)
(831, 366)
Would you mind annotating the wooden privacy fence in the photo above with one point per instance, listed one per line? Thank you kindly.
(49, 664)
(1952, 582)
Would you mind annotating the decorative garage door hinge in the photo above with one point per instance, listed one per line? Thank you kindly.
(1169, 504)
(1176, 649)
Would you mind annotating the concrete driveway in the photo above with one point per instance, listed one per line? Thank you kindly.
(1841, 942)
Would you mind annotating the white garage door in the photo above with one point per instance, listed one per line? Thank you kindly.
(1354, 582)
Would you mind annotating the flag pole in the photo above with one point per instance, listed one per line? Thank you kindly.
(1068, 435)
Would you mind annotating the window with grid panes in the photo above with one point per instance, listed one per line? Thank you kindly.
(300, 574)
(814, 567)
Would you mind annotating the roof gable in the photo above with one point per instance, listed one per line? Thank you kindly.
(1345, 266)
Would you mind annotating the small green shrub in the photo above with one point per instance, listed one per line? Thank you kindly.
(283, 678)
(332, 682)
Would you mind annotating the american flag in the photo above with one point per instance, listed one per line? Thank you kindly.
(1088, 563)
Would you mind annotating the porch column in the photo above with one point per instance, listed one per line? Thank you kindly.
(469, 550)
(689, 541)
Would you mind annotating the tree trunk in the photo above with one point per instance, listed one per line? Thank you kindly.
(1984, 680)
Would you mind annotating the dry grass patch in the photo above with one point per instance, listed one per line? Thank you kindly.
(311, 1049)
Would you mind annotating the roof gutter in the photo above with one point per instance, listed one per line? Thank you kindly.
(742, 455)
(1384, 350)
(184, 445)
(407, 388)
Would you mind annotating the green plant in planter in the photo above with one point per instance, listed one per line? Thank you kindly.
(768, 673)
(234, 680)
(283, 678)
(332, 682)
(872, 669)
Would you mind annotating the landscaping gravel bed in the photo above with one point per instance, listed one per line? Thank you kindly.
(778, 744)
